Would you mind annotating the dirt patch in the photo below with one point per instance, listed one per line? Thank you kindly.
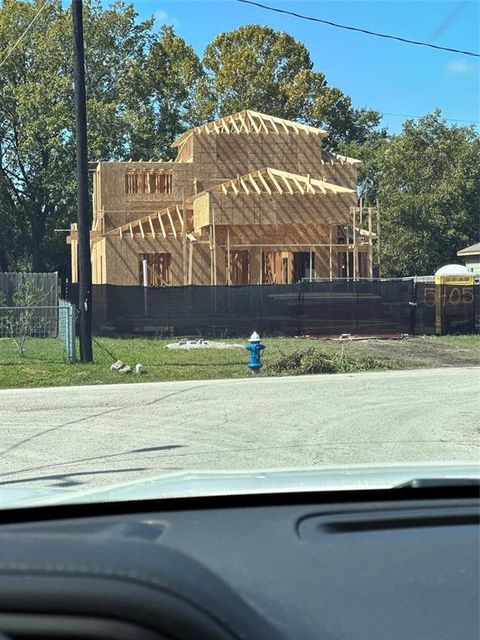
(427, 351)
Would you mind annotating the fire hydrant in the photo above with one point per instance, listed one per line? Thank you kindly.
(255, 347)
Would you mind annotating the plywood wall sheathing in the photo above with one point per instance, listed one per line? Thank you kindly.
(248, 183)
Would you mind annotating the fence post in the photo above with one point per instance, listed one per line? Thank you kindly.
(300, 309)
(72, 355)
(413, 306)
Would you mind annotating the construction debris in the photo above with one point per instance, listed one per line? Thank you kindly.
(202, 344)
(120, 367)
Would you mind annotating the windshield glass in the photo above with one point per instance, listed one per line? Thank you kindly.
(236, 239)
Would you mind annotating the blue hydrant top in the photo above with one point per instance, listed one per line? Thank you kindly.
(255, 347)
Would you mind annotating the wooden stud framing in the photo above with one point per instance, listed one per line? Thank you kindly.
(253, 123)
(244, 185)
(173, 221)
(284, 125)
(255, 185)
(234, 125)
(240, 115)
(225, 126)
(214, 239)
(308, 184)
(190, 262)
(275, 128)
(264, 182)
(162, 226)
(287, 183)
(299, 186)
(151, 226)
(264, 125)
(180, 215)
(229, 259)
(330, 252)
(272, 178)
(183, 222)
(170, 219)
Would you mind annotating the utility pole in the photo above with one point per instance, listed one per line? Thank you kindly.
(83, 217)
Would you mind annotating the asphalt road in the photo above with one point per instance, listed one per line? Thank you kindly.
(92, 436)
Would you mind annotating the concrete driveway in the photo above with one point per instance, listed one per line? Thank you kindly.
(92, 436)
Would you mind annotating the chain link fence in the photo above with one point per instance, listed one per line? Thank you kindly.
(34, 333)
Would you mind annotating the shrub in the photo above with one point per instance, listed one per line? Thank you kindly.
(315, 360)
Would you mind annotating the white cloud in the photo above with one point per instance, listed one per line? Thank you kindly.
(161, 17)
(458, 67)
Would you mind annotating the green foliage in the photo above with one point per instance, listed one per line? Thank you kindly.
(256, 67)
(146, 88)
(136, 93)
(45, 363)
(164, 84)
(24, 321)
(315, 360)
(428, 182)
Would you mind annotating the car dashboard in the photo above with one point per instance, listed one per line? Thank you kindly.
(353, 565)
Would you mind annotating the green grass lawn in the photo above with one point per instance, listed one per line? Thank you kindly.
(45, 362)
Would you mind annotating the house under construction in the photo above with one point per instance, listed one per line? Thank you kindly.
(249, 199)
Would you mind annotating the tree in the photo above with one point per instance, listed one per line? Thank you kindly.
(138, 96)
(370, 153)
(256, 67)
(37, 156)
(429, 192)
(23, 320)
(164, 84)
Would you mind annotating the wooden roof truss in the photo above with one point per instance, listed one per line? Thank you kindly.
(166, 222)
(249, 121)
(275, 181)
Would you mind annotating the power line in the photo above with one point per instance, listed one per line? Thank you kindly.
(408, 115)
(366, 31)
(24, 33)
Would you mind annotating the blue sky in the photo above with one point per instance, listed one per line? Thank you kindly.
(391, 77)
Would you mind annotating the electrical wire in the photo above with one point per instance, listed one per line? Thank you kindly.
(408, 115)
(359, 30)
(4, 60)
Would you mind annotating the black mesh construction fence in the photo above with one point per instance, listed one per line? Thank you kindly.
(363, 307)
